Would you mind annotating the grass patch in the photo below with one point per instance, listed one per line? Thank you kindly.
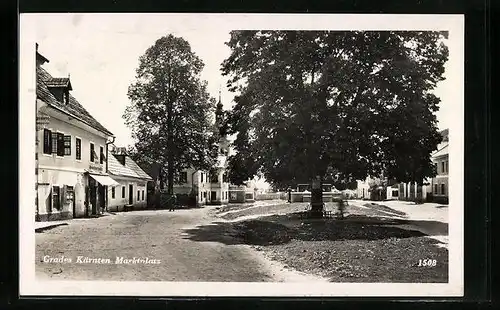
(358, 248)
(384, 208)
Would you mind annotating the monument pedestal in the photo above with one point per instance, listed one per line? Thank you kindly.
(317, 205)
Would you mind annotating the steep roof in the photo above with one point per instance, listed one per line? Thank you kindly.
(73, 107)
(130, 169)
(116, 168)
(132, 165)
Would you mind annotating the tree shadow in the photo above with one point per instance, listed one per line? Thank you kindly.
(281, 229)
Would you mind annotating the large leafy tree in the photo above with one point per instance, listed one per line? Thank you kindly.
(170, 111)
(340, 105)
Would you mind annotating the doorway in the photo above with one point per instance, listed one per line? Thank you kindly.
(213, 196)
(130, 194)
(101, 191)
(93, 195)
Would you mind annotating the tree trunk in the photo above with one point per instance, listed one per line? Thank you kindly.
(170, 155)
(170, 144)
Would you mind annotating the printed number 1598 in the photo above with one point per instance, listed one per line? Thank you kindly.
(427, 263)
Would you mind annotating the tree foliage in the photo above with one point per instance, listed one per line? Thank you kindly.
(338, 104)
(170, 110)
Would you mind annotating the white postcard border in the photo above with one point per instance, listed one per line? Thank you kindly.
(29, 285)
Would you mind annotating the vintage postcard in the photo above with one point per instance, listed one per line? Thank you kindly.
(241, 155)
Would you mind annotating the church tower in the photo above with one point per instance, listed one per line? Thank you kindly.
(221, 127)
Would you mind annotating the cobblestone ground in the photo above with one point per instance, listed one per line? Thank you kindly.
(147, 235)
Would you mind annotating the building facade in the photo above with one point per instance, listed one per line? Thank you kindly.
(210, 187)
(439, 184)
(433, 189)
(71, 148)
(131, 191)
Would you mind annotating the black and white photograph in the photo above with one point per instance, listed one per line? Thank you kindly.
(241, 154)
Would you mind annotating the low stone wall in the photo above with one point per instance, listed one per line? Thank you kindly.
(306, 197)
(55, 216)
(236, 196)
(268, 196)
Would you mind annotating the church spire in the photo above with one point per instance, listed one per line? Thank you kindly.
(219, 114)
(220, 101)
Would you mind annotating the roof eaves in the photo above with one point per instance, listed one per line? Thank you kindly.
(80, 119)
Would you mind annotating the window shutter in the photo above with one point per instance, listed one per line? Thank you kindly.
(47, 141)
(54, 142)
(95, 155)
(92, 153)
(49, 204)
(78, 143)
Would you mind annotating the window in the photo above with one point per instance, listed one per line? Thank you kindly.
(442, 167)
(47, 141)
(56, 197)
(92, 152)
(183, 177)
(436, 166)
(435, 188)
(443, 189)
(202, 177)
(142, 194)
(204, 194)
(54, 142)
(113, 192)
(78, 143)
(101, 157)
(214, 178)
(394, 193)
(446, 166)
(67, 145)
(60, 144)
(123, 191)
(138, 195)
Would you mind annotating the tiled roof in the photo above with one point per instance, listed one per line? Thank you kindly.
(116, 168)
(131, 168)
(73, 107)
(58, 82)
(132, 165)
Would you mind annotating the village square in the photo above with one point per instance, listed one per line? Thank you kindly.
(314, 156)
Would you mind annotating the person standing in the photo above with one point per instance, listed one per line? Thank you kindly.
(173, 203)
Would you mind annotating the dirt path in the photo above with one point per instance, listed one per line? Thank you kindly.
(159, 239)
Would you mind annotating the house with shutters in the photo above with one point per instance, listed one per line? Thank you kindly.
(71, 148)
(131, 193)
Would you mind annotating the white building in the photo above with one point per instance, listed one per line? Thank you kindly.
(435, 188)
(71, 178)
(209, 187)
(131, 191)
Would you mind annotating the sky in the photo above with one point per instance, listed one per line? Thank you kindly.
(100, 53)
